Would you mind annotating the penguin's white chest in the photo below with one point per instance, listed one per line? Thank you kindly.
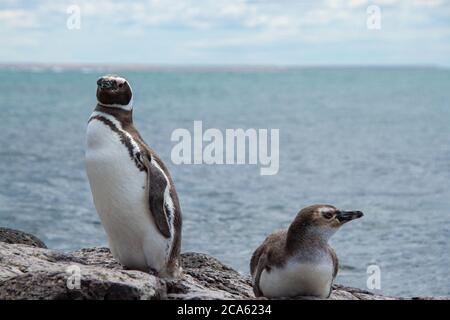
(121, 200)
(297, 278)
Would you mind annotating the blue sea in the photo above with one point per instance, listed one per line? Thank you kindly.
(371, 139)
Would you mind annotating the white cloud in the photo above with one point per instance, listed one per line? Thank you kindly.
(18, 18)
(214, 24)
(428, 3)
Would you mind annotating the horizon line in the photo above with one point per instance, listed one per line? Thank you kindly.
(194, 66)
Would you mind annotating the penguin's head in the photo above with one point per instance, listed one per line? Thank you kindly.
(323, 219)
(114, 92)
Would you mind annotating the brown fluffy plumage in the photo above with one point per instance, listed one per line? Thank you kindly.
(305, 239)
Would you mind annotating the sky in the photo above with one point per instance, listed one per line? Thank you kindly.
(226, 32)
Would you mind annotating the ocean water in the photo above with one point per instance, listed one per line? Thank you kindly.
(372, 139)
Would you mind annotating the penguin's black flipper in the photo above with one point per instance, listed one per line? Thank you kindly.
(262, 264)
(156, 187)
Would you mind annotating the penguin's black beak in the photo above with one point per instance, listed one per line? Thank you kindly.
(103, 83)
(346, 216)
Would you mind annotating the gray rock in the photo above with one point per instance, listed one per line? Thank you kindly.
(19, 237)
(206, 278)
(36, 273)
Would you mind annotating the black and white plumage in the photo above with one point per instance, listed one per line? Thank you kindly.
(298, 261)
(133, 192)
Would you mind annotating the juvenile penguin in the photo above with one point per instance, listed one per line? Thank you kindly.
(298, 261)
(133, 192)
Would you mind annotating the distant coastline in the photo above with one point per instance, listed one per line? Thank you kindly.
(91, 67)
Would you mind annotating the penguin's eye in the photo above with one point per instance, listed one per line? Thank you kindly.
(120, 85)
(327, 214)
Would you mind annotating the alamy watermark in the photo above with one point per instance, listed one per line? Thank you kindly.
(74, 20)
(236, 146)
(374, 278)
(74, 279)
(373, 21)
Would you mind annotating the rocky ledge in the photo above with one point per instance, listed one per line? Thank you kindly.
(28, 270)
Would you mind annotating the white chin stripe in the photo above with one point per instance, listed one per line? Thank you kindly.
(127, 107)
